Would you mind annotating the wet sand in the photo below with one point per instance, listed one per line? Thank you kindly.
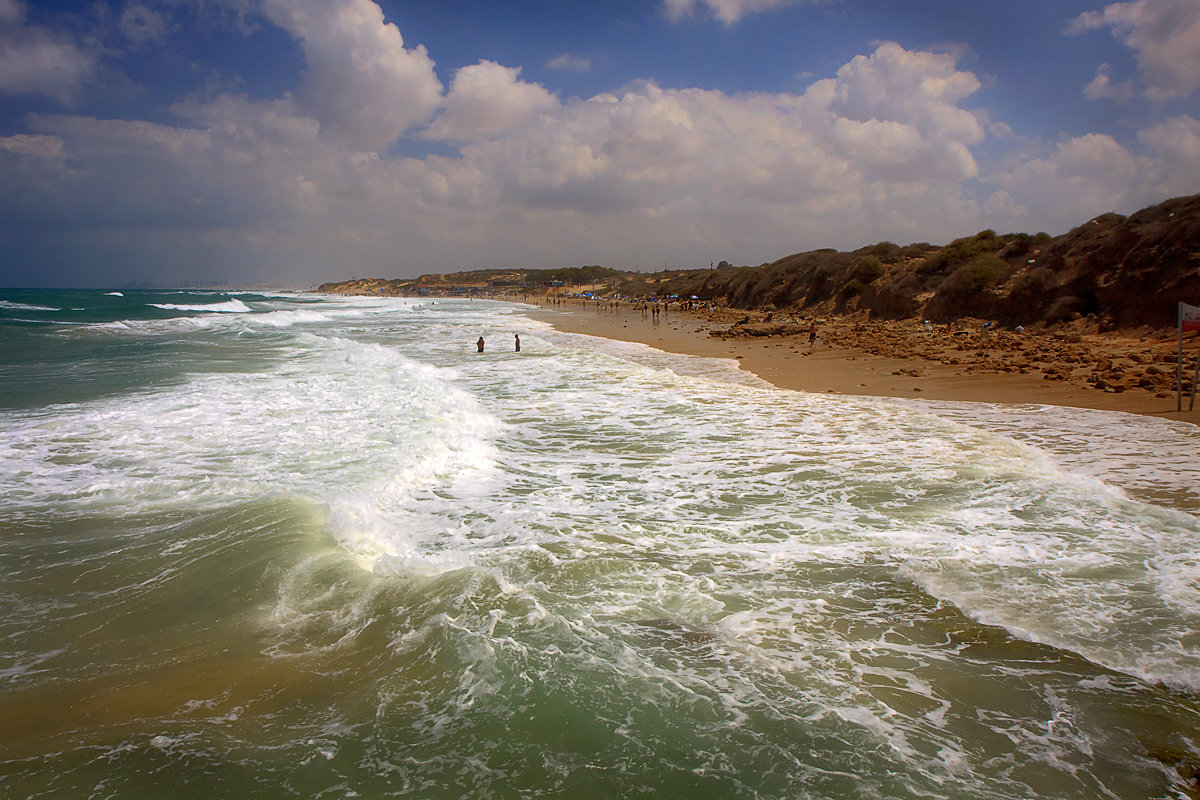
(901, 359)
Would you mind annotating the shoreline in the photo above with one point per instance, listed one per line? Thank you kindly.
(834, 365)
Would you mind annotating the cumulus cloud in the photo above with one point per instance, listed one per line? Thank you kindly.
(33, 147)
(1102, 86)
(361, 83)
(850, 153)
(1166, 37)
(883, 148)
(136, 174)
(880, 147)
(1001, 205)
(487, 99)
(38, 61)
(1176, 146)
(728, 11)
(904, 104)
(1081, 177)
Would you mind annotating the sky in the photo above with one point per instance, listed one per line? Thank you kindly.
(290, 142)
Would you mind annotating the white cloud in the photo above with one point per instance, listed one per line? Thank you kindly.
(569, 63)
(706, 159)
(361, 83)
(1082, 176)
(1102, 86)
(487, 99)
(904, 106)
(38, 61)
(882, 149)
(1164, 33)
(48, 148)
(728, 11)
(895, 83)
(1176, 145)
(1001, 205)
(619, 177)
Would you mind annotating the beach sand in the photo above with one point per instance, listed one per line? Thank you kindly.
(886, 359)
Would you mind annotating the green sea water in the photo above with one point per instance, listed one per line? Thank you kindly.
(276, 545)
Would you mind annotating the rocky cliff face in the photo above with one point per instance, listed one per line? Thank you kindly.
(1123, 272)
(1131, 271)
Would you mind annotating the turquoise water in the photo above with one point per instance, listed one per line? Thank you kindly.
(275, 545)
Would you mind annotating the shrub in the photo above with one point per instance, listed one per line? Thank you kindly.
(961, 251)
(867, 270)
(1036, 281)
(885, 250)
(853, 288)
(982, 272)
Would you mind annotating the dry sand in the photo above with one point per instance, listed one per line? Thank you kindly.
(887, 359)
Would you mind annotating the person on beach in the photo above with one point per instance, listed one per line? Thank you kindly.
(517, 341)
(479, 344)
(812, 334)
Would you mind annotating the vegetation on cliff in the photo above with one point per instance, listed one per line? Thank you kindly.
(1124, 272)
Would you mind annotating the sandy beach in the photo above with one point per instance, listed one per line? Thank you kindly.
(901, 359)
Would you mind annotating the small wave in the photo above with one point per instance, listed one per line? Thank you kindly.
(227, 307)
(10, 306)
(113, 294)
(284, 319)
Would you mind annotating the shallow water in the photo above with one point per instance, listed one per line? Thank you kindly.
(268, 545)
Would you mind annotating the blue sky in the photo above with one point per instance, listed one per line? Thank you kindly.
(293, 141)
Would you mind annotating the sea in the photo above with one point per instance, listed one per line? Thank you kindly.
(281, 545)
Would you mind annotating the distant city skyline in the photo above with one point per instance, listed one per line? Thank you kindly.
(288, 142)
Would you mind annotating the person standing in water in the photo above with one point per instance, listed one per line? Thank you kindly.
(517, 341)
(479, 344)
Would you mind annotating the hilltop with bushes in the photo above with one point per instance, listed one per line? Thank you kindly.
(1122, 272)
(478, 282)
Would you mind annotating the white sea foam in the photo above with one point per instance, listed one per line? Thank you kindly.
(8, 305)
(655, 486)
(286, 319)
(114, 294)
(233, 306)
(287, 315)
(359, 428)
(699, 575)
(1150, 456)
